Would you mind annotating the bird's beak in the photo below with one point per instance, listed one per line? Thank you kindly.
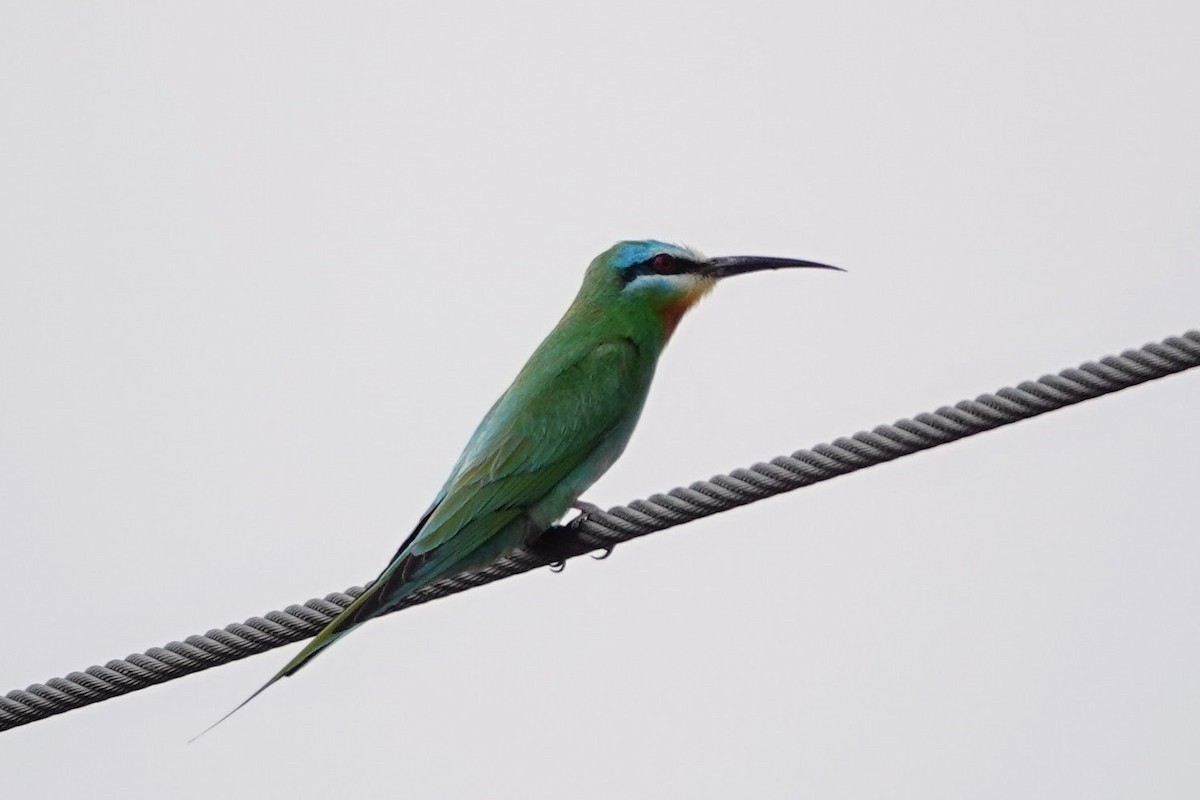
(725, 266)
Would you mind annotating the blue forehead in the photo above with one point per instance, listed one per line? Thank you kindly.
(626, 254)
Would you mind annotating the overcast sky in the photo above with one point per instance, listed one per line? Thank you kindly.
(262, 270)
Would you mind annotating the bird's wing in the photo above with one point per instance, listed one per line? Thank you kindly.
(540, 432)
(537, 434)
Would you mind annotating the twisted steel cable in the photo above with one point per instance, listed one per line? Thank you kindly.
(603, 530)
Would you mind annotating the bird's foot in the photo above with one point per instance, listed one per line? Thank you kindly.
(553, 547)
(562, 542)
(585, 509)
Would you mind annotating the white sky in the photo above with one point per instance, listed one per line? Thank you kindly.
(263, 269)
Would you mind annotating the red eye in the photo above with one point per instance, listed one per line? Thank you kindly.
(663, 264)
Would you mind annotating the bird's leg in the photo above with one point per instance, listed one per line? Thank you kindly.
(560, 542)
(585, 508)
(551, 546)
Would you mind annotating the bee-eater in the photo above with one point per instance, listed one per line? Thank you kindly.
(559, 426)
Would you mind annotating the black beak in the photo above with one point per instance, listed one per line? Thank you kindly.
(739, 265)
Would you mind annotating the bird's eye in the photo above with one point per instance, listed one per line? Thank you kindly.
(663, 264)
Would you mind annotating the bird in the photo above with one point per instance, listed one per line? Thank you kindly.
(562, 423)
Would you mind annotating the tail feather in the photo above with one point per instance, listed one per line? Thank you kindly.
(364, 607)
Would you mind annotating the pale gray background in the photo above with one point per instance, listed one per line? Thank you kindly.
(264, 269)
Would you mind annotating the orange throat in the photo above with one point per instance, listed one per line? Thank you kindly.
(673, 311)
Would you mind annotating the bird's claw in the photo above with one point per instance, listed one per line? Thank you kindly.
(557, 566)
(586, 509)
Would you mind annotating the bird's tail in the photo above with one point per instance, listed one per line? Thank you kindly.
(355, 614)
(364, 607)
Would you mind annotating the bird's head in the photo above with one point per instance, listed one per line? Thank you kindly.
(668, 279)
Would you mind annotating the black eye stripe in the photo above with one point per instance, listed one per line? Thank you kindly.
(658, 264)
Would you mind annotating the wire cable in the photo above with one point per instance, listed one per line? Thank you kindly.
(603, 530)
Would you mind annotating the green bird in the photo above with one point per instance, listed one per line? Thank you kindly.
(560, 425)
